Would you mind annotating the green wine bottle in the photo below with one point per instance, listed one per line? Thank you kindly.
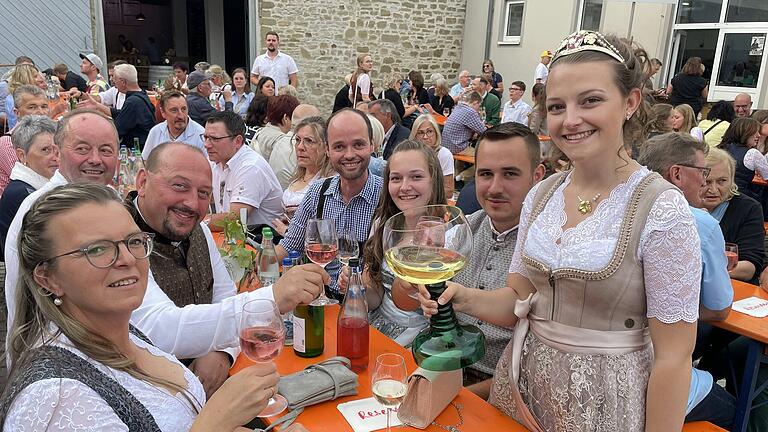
(308, 330)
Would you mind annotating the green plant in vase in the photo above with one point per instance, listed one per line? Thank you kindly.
(238, 257)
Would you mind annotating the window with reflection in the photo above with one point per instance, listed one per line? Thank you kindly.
(747, 11)
(740, 62)
(700, 11)
(591, 13)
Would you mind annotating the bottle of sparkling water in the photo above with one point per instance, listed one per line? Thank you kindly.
(269, 270)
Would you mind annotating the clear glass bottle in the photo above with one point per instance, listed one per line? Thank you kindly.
(269, 270)
(352, 326)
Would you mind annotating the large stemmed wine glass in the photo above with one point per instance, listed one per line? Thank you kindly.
(321, 244)
(429, 245)
(261, 338)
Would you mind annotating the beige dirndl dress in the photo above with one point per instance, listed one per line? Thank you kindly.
(581, 355)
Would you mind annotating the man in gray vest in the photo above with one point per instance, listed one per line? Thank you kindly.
(507, 162)
(172, 197)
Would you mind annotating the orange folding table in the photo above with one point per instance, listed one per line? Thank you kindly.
(325, 417)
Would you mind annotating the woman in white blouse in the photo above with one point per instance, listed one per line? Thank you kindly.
(312, 164)
(607, 260)
(740, 141)
(76, 362)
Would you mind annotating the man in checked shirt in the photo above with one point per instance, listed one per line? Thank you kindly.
(349, 198)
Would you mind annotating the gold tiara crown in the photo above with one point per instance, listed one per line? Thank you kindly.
(587, 40)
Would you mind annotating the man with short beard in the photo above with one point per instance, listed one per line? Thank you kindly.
(177, 125)
(171, 198)
(275, 64)
(349, 198)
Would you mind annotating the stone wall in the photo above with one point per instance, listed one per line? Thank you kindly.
(325, 37)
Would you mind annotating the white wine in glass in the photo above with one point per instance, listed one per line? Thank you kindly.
(321, 244)
(388, 382)
(429, 245)
(348, 248)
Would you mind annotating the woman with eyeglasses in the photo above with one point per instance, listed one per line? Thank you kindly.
(76, 361)
(740, 216)
(496, 78)
(312, 164)
(426, 131)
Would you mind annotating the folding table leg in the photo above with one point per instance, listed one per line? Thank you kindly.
(747, 388)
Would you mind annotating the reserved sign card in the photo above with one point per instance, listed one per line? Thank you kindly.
(752, 306)
(365, 415)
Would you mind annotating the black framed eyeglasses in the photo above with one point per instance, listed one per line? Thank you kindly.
(104, 253)
(205, 137)
(704, 170)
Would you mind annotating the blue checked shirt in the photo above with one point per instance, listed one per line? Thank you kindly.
(463, 122)
(354, 217)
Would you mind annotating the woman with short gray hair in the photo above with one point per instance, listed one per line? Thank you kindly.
(38, 160)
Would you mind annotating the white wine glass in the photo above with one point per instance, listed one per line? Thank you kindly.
(321, 244)
(261, 338)
(388, 382)
(348, 248)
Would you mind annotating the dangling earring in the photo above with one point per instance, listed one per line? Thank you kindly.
(629, 115)
(57, 301)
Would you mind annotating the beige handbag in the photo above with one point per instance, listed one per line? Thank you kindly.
(428, 394)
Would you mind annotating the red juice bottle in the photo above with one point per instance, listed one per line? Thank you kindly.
(352, 326)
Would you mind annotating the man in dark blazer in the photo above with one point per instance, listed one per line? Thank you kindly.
(385, 112)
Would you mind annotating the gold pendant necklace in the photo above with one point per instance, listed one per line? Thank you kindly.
(585, 206)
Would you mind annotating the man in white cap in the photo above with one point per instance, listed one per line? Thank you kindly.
(542, 70)
(91, 67)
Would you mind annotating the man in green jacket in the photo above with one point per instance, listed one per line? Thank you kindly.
(491, 104)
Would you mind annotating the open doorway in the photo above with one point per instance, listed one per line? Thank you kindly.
(236, 34)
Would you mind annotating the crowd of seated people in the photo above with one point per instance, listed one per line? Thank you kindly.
(114, 325)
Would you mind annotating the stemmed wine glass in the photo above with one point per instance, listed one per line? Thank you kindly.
(388, 381)
(261, 338)
(348, 248)
(732, 254)
(321, 244)
(429, 245)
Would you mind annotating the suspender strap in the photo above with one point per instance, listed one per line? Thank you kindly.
(321, 198)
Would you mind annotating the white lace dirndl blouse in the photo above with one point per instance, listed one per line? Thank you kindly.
(69, 405)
